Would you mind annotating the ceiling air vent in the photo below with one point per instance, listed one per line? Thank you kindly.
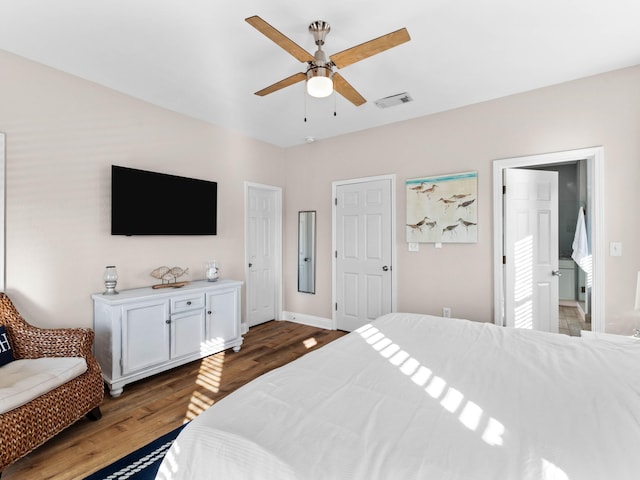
(394, 100)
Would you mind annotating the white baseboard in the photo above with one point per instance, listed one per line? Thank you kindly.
(568, 303)
(310, 320)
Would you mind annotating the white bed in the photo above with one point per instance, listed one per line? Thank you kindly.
(415, 396)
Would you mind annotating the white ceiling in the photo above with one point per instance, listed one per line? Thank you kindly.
(200, 58)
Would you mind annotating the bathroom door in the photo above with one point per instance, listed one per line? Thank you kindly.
(531, 249)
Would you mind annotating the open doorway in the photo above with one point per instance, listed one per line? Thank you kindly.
(592, 160)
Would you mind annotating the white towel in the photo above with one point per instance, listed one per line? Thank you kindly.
(581, 245)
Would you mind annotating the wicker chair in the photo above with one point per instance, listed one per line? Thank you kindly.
(29, 426)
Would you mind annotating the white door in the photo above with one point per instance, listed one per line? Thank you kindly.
(531, 249)
(363, 223)
(261, 253)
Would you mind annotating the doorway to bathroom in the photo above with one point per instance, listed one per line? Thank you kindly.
(589, 163)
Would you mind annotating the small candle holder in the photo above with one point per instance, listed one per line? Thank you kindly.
(110, 280)
(212, 272)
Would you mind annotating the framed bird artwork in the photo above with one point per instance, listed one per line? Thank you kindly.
(443, 208)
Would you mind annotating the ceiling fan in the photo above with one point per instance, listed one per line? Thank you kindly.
(319, 75)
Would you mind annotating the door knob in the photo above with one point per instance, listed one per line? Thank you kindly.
(556, 273)
(385, 269)
(250, 265)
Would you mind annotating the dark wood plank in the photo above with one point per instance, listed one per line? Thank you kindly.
(156, 405)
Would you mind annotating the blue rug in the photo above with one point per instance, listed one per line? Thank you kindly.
(143, 464)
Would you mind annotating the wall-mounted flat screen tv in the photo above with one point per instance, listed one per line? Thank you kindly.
(151, 203)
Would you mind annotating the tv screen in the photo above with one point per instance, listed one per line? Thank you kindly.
(151, 203)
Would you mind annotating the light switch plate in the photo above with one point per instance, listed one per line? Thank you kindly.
(615, 249)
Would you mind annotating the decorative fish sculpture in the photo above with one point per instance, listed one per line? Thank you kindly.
(177, 272)
(167, 274)
(160, 272)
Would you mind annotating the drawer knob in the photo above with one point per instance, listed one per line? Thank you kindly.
(209, 312)
(167, 322)
(189, 302)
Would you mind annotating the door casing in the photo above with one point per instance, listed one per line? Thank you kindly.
(595, 209)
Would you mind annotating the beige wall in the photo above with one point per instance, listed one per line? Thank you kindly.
(601, 110)
(62, 135)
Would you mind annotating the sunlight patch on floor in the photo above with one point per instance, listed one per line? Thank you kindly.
(208, 381)
(310, 342)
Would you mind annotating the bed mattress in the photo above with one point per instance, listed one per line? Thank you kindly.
(416, 396)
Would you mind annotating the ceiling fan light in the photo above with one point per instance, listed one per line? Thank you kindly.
(319, 82)
(319, 87)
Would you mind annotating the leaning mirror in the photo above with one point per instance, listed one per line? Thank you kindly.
(307, 252)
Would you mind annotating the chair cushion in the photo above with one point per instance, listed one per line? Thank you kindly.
(6, 352)
(25, 379)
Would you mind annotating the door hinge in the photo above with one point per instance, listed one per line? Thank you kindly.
(335, 201)
(504, 259)
(335, 254)
(504, 189)
(336, 306)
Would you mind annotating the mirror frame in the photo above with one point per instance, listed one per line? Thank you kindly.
(307, 251)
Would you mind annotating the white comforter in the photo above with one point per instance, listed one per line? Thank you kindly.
(414, 396)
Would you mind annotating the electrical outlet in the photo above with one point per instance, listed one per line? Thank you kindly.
(446, 312)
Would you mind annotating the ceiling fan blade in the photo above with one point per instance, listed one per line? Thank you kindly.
(370, 48)
(345, 89)
(295, 78)
(280, 39)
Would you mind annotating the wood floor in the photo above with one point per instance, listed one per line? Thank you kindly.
(157, 405)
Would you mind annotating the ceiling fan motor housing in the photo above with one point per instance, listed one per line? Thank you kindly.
(319, 72)
(319, 30)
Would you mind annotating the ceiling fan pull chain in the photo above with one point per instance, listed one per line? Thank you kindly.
(304, 92)
(335, 108)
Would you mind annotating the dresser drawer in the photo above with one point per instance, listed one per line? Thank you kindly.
(185, 303)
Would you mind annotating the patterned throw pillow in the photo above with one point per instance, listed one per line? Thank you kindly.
(6, 353)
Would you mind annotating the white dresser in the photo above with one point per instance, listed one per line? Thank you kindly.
(144, 331)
